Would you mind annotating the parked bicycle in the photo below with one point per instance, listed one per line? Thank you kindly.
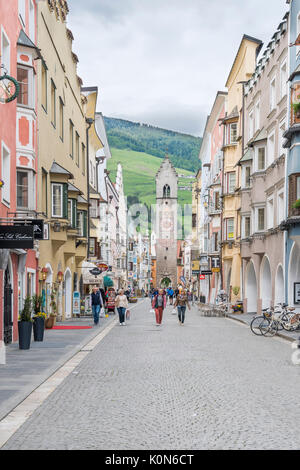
(274, 319)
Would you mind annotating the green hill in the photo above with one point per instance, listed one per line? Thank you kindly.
(139, 170)
(183, 149)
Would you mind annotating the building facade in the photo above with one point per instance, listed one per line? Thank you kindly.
(263, 177)
(241, 71)
(19, 159)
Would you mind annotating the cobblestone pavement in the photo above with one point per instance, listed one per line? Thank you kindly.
(209, 384)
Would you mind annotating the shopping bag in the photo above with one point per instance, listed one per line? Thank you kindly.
(152, 310)
(174, 311)
(102, 313)
(127, 314)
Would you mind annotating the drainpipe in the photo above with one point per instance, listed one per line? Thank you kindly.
(89, 121)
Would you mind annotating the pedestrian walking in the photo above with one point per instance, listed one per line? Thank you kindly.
(181, 303)
(97, 303)
(122, 305)
(171, 295)
(159, 303)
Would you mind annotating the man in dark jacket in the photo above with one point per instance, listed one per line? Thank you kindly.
(96, 304)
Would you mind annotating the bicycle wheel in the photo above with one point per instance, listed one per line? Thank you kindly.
(272, 329)
(287, 324)
(259, 324)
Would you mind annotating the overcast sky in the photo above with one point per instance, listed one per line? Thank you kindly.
(162, 61)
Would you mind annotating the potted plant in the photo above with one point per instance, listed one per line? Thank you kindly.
(49, 323)
(296, 108)
(25, 324)
(38, 318)
(296, 204)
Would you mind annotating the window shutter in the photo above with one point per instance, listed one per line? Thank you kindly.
(85, 223)
(74, 213)
(65, 200)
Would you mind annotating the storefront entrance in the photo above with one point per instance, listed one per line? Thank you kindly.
(7, 312)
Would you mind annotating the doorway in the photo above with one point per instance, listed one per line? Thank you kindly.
(7, 311)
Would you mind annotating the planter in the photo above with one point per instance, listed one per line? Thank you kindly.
(25, 330)
(38, 329)
(49, 323)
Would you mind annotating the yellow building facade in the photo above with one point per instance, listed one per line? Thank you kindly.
(62, 144)
(241, 71)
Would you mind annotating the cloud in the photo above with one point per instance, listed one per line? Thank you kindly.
(162, 61)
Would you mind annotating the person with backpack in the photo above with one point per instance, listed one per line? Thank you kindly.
(159, 303)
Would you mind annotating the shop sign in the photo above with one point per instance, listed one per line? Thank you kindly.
(296, 292)
(76, 303)
(95, 271)
(102, 266)
(215, 270)
(202, 277)
(13, 236)
(207, 273)
(38, 227)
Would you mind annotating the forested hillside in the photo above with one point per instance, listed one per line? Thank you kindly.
(183, 149)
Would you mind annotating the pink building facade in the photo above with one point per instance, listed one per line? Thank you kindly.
(18, 159)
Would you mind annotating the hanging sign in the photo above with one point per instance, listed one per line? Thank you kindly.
(95, 271)
(12, 236)
(38, 227)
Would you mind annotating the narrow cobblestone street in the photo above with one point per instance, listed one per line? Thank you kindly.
(209, 384)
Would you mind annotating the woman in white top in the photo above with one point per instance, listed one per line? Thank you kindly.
(122, 305)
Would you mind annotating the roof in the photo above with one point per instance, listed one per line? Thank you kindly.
(246, 157)
(82, 200)
(71, 187)
(24, 40)
(262, 135)
(59, 170)
(245, 38)
(101, 130)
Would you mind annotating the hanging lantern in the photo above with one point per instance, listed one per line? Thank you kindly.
(44, 272)
(60, 276)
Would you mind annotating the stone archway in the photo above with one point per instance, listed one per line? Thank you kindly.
(165, 282)
(294, 272)
(251, 288)
(279, 285)
(265, 283)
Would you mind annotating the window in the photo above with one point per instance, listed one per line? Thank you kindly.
(257, 116)
(5, 52)
(5, 174)
(270, 213)
(194, 220)
(260, 219)
(246, 226)
(280, 207)
(233, 133)
(22, 190)
(44, 86)
(23, 79)
(294, 193)
(72, 212)
(231, 177)
(92, 246)
(57, 200)
(261, 158)
(71, 139)
(247, 176)
(77, 148)
(94, 209)
(83, 158)
(217, 200)
(251, 124)
(82, 223)
(61, 119)
(271, 148)
(273, 94)
(53, 103)
(31, 21)
(281, 150)
(283, 79)
(22, 11)
(229, 228)
(30, 283)
(166, 191)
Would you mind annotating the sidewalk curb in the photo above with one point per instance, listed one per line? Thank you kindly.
(280, 335)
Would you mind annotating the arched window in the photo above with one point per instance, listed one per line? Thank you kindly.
(167, 190)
